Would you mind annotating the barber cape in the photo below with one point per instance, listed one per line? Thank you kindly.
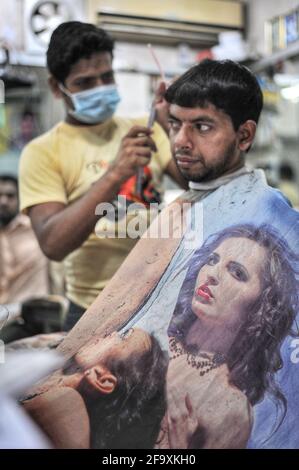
(145, 292)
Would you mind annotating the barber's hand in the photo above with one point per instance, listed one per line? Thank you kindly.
(162, 107)
(134, 152)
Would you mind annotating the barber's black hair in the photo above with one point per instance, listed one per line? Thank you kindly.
(227, 85)
(72, 41)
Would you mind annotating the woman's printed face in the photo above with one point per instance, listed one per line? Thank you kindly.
(230, 281)
(117, 345)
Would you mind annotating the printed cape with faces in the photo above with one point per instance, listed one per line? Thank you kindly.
(222, 299)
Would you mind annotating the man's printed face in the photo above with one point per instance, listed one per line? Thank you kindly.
(203, 141)
(117, 345)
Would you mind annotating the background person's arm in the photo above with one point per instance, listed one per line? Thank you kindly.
(61, 229)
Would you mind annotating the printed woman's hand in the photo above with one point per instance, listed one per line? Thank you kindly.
(182, 422)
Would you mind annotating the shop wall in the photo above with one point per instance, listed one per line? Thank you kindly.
(260, 11)
(11, 21)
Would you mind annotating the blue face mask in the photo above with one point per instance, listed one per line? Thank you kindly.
(95, 105)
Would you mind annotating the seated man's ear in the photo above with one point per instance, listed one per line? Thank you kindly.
(246, 134)
(101, 379)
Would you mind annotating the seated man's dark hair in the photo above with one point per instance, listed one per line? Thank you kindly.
(73, 41)
(227, 85)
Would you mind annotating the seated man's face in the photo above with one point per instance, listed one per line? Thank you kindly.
(203, 142)
(117, 345)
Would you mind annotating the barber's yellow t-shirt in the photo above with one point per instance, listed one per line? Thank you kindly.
(60, 166)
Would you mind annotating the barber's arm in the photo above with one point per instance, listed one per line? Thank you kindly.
(62, 228)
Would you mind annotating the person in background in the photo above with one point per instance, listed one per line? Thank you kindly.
(89, 158)
(25, 273)
(23, 267)
(287, 184)
(27, 129)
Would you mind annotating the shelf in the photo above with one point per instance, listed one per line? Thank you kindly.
(22, 93)
(173, 72)
(289, 52)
